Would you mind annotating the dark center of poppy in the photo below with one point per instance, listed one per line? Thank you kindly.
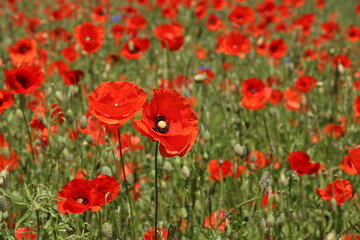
(161, 125)
(253, 90)
(21, 80)
(82, 200)
(23, 49)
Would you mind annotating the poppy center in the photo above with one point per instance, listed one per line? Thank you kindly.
(23, 49)
(161, 125)
(87, 38)
(21, 80)
(82, 200)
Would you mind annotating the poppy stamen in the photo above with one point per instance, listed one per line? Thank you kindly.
(82, 200)
(161, 125)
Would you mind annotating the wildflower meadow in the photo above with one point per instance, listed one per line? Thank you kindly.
(179, 119)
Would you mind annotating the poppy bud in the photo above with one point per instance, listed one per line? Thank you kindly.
(252, 157)
(263, 226)
(89, 139)
(199, 78)
(331, 235)
(340, 68)
(69, 115)
(185, 171)
(206, 155)
(83, 122)
(245, 215)
(3, 176)
(105, 170)
(280, 219)
(3, 204)
(18, 113)
(183, 213)
(107, 230)
(130, 179)
(61, 142)
(167, 166)
(207, 135)
(283, 180)
(59, 96)
(270, 220)
(240, 150)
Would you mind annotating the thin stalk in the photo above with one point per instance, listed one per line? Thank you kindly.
(38, 223)
(22, 106)
(126, 186)
(156, 189)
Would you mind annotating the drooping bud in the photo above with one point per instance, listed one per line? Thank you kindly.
(270, 220)
(83, 122)
(240, 150)
(167, 166)
(185, 172)
(105, 170)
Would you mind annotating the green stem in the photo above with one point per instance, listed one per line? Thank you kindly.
(126, 186)
(22, 106)
(38, 224)
(156, 189)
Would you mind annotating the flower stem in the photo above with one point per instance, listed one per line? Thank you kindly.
(22, 106)
(156, 188)
(126, 185)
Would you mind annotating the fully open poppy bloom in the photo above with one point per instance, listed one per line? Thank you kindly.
(72, 77)
(233, 44)
(257, 160)
(255, 94)
(214, 220)
(214, 23)
(89, 36)
(150, 235)
(169, 119)
(135, 48)
(170, 35)
(300, 163)
(23, 52)
(79, 195)
(343, 60)
(340, 189)
(354, 34)
(242, 15)
(70, 53)
(347, 166)
(9, 162)
(116, 102)
(23, 80)
(351, 237)
(305, 83)
(6, 100)
(277, 48)
(215, 166)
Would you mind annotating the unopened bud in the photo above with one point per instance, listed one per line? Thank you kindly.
(105, 170)
(83, 122)
(183, 213)
(18, 113)
(199, 78)
(331, 235)
(185, 172)
(252, 157)
(59, 96)
(89, 139)
(340, 68)
(280, 220)
(240, 150)
(4, 174)
(3, 204)
(107, 230)
(333, 204)
(263, 226)
(167, 166)
(270, 220)
(207, 135)
(283, 180)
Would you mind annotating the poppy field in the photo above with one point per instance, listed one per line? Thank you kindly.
(179, 119)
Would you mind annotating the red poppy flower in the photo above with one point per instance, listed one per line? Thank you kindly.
(276, 96)
(293, 99)
(265, 200)
(305, 83)
(100, 14)
(343, 60)
(70, 53)
(150, 235)
(25, 79)
(214, 23)
(254, 94)
(79, 195)
(357, 106)
(24, 234)
(354, 34)
(6, 100)
(135, 48)
(340, 189)
(170, 35)
(72, 77)
(351, 237)
(215, 166)
(89, 36)
(214, 219)
(336, 130)
(9, 162)
(129, 142)
(257, 160)
(169, 119)
(233, 44)
(354, 156)
(116, 102)
(300, 163)
(277, 48)
(135, 23)
(346, 164)
(242, 15)
(23, 52)
(117, 32)
(208, 73)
